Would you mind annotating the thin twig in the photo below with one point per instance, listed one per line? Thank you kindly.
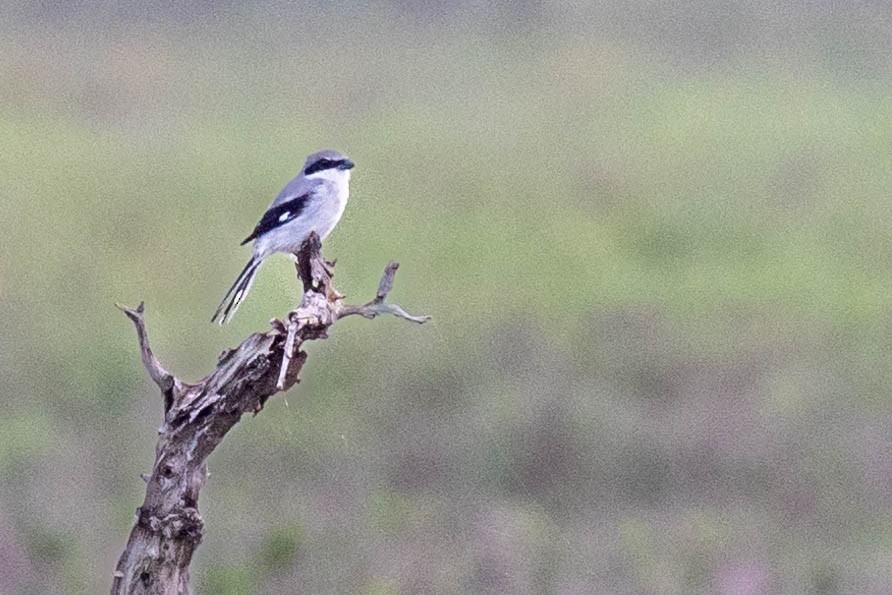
(287, 352)
(164, 379)
(379, 306)
(374, 309)
(386, 283)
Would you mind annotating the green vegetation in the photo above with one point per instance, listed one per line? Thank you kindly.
(659, 355)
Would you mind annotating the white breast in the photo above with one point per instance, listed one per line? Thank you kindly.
(321, 215)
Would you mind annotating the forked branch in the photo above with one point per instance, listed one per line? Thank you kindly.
(197, 417)
(378, 306)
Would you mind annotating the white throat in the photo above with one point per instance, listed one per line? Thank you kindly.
(338, 176)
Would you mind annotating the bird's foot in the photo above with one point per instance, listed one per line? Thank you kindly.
(330, 266)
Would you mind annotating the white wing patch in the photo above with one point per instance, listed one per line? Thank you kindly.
(284, 216)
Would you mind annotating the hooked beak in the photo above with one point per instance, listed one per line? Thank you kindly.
(346, 164)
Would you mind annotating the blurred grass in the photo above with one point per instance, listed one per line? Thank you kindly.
(658, 355)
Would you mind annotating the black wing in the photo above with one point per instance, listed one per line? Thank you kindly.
(278, 215)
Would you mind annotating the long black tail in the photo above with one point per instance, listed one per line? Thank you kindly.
(238, 291)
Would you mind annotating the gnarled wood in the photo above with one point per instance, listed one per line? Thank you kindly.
(197, 417)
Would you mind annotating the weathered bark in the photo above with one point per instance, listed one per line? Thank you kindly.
(197, 417)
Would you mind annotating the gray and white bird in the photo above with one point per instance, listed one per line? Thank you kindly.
(313, 201)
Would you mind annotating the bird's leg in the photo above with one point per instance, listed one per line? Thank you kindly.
(314, 271)
(329, 266)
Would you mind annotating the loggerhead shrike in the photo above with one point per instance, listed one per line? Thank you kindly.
(313, 201)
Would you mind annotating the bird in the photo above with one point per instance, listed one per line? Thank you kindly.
(314, 200)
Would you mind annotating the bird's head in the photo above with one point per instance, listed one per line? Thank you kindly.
(329, 164)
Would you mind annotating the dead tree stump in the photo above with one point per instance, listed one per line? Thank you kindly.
(197, 417)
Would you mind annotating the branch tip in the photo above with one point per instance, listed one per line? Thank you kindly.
(132, 313)
(164, 379)
(386, 283)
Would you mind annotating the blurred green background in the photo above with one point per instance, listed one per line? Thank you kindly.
(654, 237)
